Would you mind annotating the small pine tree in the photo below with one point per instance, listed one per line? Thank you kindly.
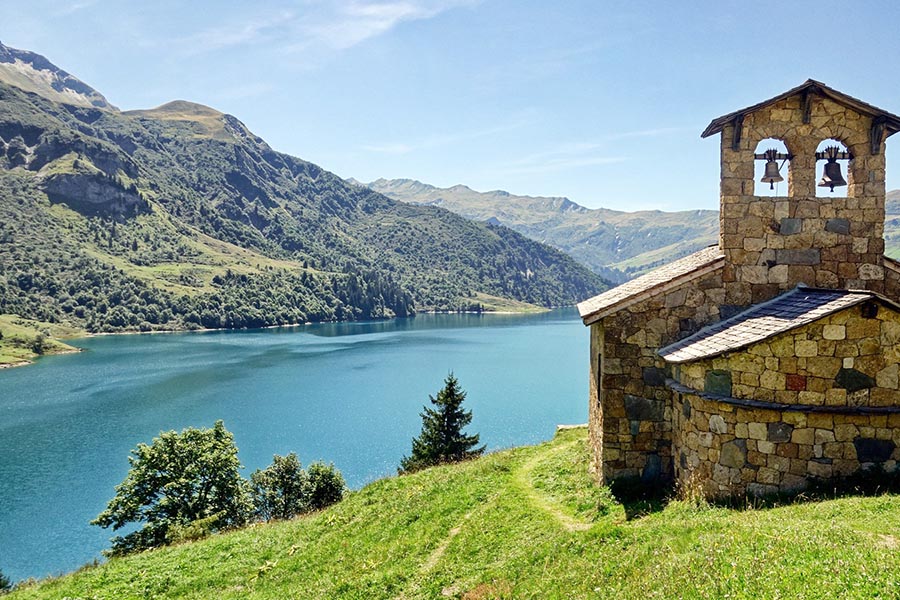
(442, 439)
(6, 584)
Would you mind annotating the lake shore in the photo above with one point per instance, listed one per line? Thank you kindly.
(72, 333)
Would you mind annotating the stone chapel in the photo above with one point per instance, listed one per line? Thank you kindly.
(772, 359)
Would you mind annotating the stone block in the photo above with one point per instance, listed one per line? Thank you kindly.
(845, 432)
(789, 226)
(779, 432)
(873, 450)
(779, 463)
(824, 436)
(768, 476)
(798, 256)
(834, 332)
(718, 382)
(839, 226)
(757, 431)
(734, 454)
(794, 382)
(765, 447)
(806, 348)
(869, 272)
(759, 490)
(643, 409)
(819, 470)
(853, 380)
(717, 424)
(805, 436)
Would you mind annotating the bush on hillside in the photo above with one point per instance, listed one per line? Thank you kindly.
(284, 489)
(326, 485)
(280, 490)
(180, 479)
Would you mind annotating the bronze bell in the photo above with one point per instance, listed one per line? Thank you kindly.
(832, 177)
(771, 176)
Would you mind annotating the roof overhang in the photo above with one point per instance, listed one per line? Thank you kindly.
(889, 121)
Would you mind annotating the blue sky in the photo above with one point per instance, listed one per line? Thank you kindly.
(602, 102)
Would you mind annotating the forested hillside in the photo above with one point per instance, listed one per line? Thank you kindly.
(180, 217)
(618, 245)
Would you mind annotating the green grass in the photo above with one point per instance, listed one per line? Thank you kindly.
(497, 304)
(523, 523)
(19, 335)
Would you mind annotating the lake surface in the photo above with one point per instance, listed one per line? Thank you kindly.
(347, 393)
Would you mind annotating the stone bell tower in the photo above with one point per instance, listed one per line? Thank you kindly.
(772, 244)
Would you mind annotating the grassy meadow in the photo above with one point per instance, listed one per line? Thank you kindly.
(522, 523)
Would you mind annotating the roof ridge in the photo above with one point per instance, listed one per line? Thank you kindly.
(656, 281)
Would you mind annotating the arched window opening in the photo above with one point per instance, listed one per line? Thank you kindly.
(769, 172)
(834, 159)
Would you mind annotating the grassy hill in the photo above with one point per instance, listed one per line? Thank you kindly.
(618, 245)
(523, 523)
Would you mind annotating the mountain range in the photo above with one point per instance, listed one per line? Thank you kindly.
(181, 217)
(618, 245)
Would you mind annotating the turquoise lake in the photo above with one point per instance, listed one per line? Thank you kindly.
(347, 393)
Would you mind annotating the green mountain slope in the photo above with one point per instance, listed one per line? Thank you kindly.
(524, 523)
(892, 224)
(618, 245)
(180, 217)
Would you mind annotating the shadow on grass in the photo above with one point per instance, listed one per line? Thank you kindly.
(640, 499)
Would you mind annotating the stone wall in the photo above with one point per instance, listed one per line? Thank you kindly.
(849, 358)
(728, 449)
(630, 405)
(819, 401)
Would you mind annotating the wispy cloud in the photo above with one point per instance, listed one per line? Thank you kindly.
(317, 25)
(74, 7)
(558, 163)
(261, 29)
(573, 155)
(351, 23)
(444, 139)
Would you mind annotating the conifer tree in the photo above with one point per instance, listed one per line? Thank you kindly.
(442, 439)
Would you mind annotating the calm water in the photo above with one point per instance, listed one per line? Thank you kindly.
(346, 393)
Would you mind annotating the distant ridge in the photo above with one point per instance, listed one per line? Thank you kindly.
(617, 245)
(32, 72)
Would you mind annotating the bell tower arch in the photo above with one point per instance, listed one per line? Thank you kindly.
(772, 244)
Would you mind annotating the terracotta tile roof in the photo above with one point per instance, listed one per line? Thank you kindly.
(654, 282)
(793, 309)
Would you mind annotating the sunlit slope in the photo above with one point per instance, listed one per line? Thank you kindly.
(523, 523)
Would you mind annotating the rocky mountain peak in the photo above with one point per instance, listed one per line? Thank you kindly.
(34, 73)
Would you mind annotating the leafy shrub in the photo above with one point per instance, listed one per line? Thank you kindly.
(326, 485)
(179, 479)
(284, 489)
(280, 490)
